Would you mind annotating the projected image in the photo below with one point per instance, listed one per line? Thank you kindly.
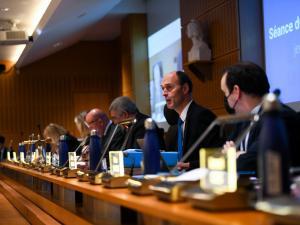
(282, 47)
(164, 55)
(156, 97)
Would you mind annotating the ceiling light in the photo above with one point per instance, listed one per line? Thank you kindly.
(4, 9)
(35, 15)
(38, 31)
(38, 10)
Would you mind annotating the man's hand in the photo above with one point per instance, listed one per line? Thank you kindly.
(182, 165)
(231, 144)
(227, 145)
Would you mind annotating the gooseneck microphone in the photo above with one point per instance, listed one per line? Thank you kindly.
(106, 147)
(131, 122)
(82, 143)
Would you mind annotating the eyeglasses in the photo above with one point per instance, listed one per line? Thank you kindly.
(91, 122)
(168, 87)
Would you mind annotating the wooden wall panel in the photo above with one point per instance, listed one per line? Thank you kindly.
(46, 91)
(221, 20)
(191, 9)
(135, 76)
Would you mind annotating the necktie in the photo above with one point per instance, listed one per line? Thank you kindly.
(179, 138)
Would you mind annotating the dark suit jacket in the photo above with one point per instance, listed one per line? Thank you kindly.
(3, 153)
(248, 161)
(197, 120)
(138, 132)
(72, 142)
(117, 140)
(171, 138)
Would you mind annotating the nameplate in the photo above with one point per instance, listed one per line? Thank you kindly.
(8, 156)
(22, 157)
(72, 160)
(222, 175)
(15, 156)
(36, 153)
(32, 156)
(116, 162)
(48, 158)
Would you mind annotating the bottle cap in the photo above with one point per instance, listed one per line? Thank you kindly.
(271, 103)
(63, 137)
(149, 124)
(94, 132)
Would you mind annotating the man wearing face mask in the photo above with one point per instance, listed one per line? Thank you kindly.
(244, 85)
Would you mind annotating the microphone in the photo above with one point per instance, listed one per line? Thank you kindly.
(107, 147)
(124, 123)
(131, 122)
(222, 120)
(82, 143)
(277, 92)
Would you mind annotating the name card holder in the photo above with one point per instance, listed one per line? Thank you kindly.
(47, 166)
(15, 160)
(8, 156)
(71, 171)
(116, 178)
(22, 157)
(48, 158)
(218, 190)
(32, 157)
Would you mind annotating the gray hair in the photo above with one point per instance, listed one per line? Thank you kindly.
(123, 104)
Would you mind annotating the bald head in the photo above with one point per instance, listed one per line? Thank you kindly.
(96, 119)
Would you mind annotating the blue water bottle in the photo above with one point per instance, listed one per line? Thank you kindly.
(273, 150)
(151, 148)
(94, 151)
(21, 148)
(63, 150)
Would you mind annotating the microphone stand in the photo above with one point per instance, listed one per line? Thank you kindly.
(95, 176)
(109, 180)
(127, 122)
(66, 171)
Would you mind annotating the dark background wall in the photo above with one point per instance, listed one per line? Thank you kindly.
(58, 87)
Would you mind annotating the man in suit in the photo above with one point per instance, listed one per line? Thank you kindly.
(124, 109)
(244, 85)
(97, 120)
(194, 119)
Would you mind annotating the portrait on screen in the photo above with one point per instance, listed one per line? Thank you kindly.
(157, 99)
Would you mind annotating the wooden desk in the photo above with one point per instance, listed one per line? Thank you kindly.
(151, 210)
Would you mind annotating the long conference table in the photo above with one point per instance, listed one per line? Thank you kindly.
(84, 203)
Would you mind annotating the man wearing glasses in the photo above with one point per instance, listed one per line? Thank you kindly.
(97, 120)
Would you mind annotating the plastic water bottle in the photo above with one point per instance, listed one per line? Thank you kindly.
(94, 150)
(273, 150)
(63, 150)
(151, 148)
